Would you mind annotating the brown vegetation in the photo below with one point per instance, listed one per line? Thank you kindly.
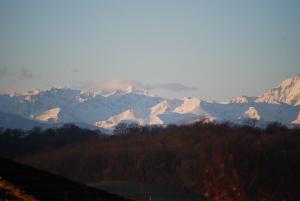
(219, 161)
(11, 192)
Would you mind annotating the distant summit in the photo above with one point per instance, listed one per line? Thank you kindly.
(287, 92)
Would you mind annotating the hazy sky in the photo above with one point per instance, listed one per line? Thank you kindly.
(222, 48)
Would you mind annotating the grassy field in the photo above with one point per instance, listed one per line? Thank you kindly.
(139, 191)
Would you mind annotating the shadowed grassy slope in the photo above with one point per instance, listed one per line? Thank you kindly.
(45, 186)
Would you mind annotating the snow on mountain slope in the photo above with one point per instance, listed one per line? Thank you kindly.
(144, 115)
(106, 108)
(190, 105)
(166, 106)
(49, 115)
(297, 120)
(265, 111)
(17, 122)
(251, 113)
(75, 105)
(224, 111)
(34, 104)
(287, 92)
(111, 122)
(179, 118)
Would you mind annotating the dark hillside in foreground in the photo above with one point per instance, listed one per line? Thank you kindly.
(40, 185)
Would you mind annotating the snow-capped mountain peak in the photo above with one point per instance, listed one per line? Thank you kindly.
(287, 92)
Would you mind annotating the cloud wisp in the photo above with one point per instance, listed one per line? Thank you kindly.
(123, 85)
(173, 86)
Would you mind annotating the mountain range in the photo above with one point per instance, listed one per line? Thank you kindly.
(107, 108)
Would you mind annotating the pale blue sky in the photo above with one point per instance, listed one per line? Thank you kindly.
(223, 48)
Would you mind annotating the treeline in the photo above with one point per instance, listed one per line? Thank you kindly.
(219, 161)
(19, 143)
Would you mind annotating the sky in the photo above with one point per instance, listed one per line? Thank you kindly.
(214, 50)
